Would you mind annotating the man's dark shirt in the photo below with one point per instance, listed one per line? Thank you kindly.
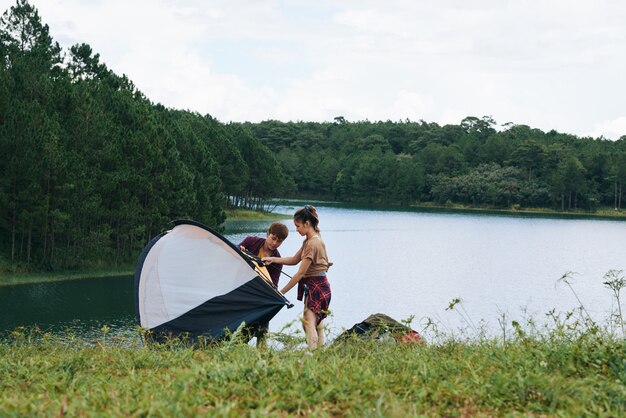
(254, 244)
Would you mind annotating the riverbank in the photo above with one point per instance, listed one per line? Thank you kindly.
(32, 278)
(252, 215)
(604, 213)
(554, 375)
(515, 210)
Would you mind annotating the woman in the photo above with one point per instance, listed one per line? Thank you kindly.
(311, 276)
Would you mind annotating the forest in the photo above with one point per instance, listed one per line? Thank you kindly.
(472, 163)
(91, 169)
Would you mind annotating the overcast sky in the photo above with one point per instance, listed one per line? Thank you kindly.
(548, 64)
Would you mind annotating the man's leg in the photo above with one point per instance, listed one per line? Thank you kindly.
(261, 335)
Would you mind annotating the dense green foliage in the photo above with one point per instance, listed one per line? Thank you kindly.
(91, 169)
(471, 163)
(550, 375)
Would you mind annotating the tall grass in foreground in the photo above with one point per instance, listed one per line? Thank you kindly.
(569, 367)
(554, 374)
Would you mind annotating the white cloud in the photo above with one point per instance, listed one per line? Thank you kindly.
(551, 65)
(610, 129)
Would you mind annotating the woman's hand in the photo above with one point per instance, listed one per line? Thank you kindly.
(268, 260)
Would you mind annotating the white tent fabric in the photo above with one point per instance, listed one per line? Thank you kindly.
(185, 268)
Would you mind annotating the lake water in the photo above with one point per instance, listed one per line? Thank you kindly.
(402, 263)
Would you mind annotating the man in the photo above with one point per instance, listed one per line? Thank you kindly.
(267, 247)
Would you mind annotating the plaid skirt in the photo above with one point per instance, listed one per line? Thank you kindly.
(316, 291)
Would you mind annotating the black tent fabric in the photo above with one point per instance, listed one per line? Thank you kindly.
(193, 282)
(380, 327)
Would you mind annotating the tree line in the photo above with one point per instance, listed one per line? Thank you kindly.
(471, 163)
(91, 169)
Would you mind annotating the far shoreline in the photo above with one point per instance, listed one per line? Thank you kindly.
(253, 215)
(604, 213)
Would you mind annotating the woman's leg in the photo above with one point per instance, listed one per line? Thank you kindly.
(309, 328)
(320, 334)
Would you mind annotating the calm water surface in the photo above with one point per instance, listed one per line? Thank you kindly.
(400, 263)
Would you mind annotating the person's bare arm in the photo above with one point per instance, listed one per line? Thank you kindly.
(304, 266)
(288, 261)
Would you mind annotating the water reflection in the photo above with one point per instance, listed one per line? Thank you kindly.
(76, 306)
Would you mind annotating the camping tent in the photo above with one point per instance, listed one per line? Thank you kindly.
(192, 281)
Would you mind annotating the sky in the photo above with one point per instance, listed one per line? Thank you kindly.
(549, 64)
